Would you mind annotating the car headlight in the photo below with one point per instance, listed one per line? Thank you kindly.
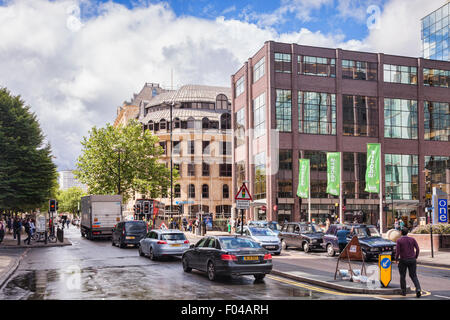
(373, 249)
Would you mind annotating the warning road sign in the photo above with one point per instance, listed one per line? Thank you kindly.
(243, 193)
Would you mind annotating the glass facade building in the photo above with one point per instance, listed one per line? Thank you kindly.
(435, 34)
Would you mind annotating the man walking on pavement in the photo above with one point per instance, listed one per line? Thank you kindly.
(408, 251)
(2, 230)
(17, 227)
(28, 231)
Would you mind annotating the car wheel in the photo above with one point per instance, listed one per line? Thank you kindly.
(186, 267)
(259, 277)
(121, 244)
(151, 255)
(211, 271)
(283, 245)
(330, 250)
(306, 247)
(140, 252)
(277, 253)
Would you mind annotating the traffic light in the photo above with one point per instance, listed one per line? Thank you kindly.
(146, 207)
(137, 208)
(52, 205)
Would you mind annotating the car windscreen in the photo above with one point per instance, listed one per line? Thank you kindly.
(310, 228)
(373, 232)
(173, 236)
(261, 232)
(274, 226)
(135, 227)
(360, 232)
(238, 243)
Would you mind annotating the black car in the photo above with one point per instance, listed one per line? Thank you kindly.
(372, 244)
(228, 255)
(129, 233)
(330, 240)
(304, 235)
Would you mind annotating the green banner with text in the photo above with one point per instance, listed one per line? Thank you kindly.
(303, 178)
(333, 172)
(373, 168)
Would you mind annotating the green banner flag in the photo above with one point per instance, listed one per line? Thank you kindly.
(333, 172)
(303, 178)
(373, 168)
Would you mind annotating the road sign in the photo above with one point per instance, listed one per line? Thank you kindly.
(243, 193)
(163, 226)
(385, 265)
(442, 211)
(242, 204)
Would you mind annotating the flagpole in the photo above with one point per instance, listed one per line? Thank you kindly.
(341, 220)
(381, 195)
(309, 193)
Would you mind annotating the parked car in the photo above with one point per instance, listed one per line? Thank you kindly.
(330, 240)
(163, 242)
(128, 233)
(228, 255)
(265, 237)
(272, 225)
(372, 244)
(304, 235)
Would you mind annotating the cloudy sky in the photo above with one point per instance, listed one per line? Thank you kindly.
(75, 61)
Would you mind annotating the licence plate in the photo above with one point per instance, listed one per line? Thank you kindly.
(130, 238)
(270, 247)
(175, 245)
(251, 258)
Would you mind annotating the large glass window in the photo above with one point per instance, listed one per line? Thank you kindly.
(354, 176)
(359, 70)
(402, 178)
(439, 172)
(436, 78)
(317, 66)
(285, 188)
(400, 118)
(318, 166)
(239, 131)
(239, 86)
(317, 113)
(283, 110)
(259, 111)
(360, 117)
(260, 176)
(259, 69)
(400, 74)
(285, 159)
(435, 34)
(283, 62)
(437, 120)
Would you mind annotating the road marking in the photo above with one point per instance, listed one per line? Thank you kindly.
(440, 268)
(442, 296)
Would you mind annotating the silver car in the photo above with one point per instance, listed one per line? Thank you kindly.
(265, 237)
(163, 242)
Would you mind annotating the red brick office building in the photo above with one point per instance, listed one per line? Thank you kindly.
(291, 101)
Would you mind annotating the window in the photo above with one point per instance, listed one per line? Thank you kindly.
(163, 145)
(317, 66)
(260, 176)
(400, 74)
(177, 191)
(205, 191)
(359, 70)
(400, 118)
(191, 191)
(205, 147)
(191, 169)
(317, 113)
(177, 123)
(240, 173)
(150, 125)
(176, 147)
(225, 121)
(360, 116)
(285, 159)
(225, 191)
(239, 131)
(205, 169)
(283, 110)
(191, 123)
(259, 120)
(354, 176)
(191, 147)
(318, 167)
(283, 62)
(225, 169)
(225, 148)
(221, 102)
(239, 87)
(402, 178)
(284, 188)
(224, 209)
(440, 172)
(436, 78)
(437, 121)
(258, 69)
(205, 123)
(177, 166)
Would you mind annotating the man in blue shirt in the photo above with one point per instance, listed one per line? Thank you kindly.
(342, 238)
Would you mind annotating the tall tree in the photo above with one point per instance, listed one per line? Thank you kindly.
(27, 172)
(68, 199)
(123, 160)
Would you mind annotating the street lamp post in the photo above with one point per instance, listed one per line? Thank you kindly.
(392, 197)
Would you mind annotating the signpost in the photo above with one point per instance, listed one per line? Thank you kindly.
(243, 199)
(385, 265)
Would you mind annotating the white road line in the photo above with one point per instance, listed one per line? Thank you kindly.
(442, 296)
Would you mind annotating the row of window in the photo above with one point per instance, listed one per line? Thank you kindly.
(163, 124)
(224, 169)
(205, 191)
(224, 147)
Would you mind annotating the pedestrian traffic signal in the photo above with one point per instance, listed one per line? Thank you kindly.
(146, 207)
(52, 205)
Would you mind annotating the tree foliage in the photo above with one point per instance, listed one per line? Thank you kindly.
(126, 152)
(27, 174)
(68, 199)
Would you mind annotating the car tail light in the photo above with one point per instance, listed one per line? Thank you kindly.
(161, 242)
(228, 257)
(186, 241)
(268, 256)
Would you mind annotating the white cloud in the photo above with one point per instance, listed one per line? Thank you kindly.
(75, 78)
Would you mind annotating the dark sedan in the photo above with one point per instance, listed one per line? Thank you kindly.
(372, 244)
(228, 255)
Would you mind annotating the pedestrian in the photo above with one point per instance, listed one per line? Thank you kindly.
(229, 226)
(2, 230)
(32, 226)
(68, 222)
(378, 224)
(184, 224)
(407, 250)
(17, 229)
(342, 238)
(401, 224)
(338, 221)
(9, 224)
(204, 227)
(28, 231)
(396, 225)
(327, 224)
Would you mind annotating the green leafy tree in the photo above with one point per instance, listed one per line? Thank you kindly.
(123, 160)
(68, 199)
(27, 172)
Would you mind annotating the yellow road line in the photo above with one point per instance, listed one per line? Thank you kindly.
(425, 266)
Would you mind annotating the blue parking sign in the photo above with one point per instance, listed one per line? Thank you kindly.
(442, 211)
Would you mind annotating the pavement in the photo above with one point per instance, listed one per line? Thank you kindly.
(319, 270)
(10, 243)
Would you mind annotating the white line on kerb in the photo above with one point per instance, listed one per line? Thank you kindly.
(442, 296)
